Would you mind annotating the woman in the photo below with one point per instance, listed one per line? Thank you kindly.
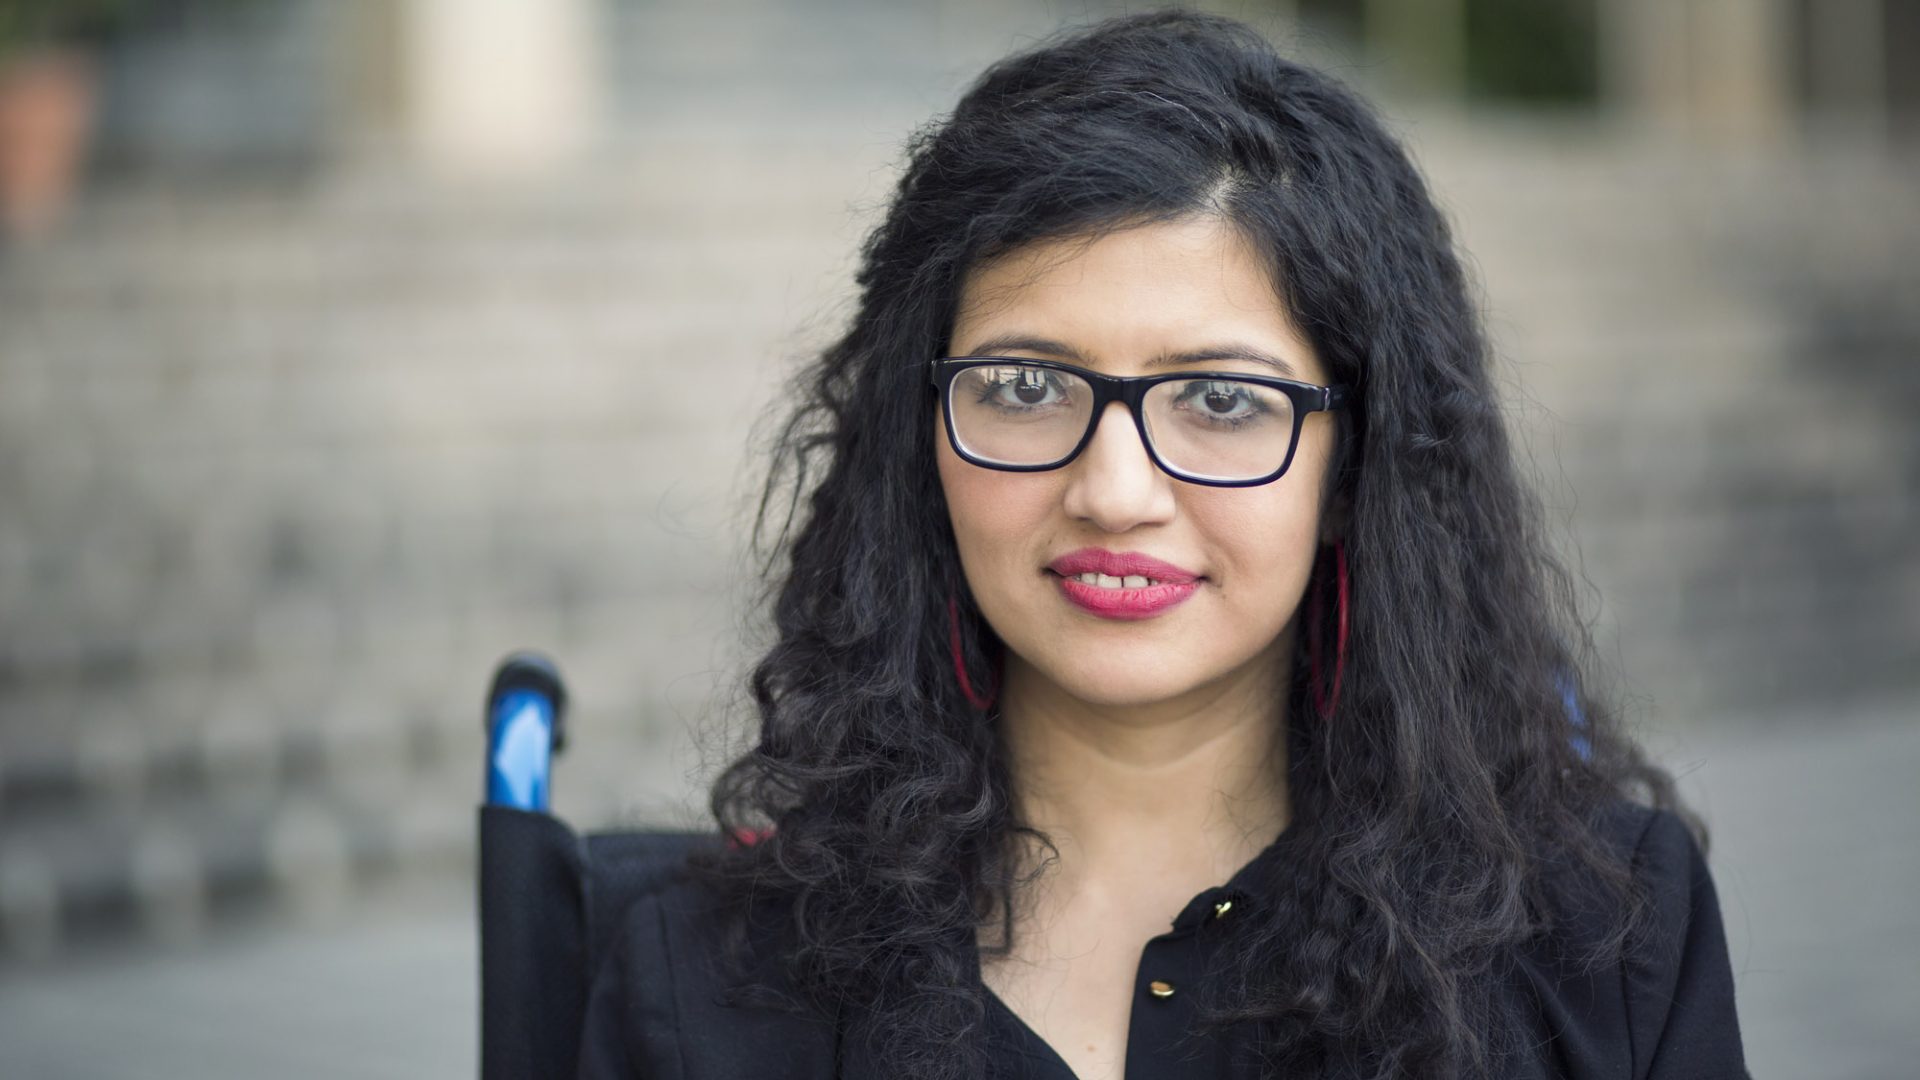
(1171, 678)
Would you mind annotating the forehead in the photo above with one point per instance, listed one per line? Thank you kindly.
(1119, 298)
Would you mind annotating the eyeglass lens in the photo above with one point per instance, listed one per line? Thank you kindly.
(1222, 429)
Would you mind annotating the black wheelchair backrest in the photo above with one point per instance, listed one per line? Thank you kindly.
(550, 902)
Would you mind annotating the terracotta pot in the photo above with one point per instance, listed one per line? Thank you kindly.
(46, 121)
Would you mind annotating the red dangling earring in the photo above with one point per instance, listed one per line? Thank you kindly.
(1326, 699)
(982, 702)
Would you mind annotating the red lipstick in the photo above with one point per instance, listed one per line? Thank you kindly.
(1167, 584)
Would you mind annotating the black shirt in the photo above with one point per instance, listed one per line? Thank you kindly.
(1667, 1013)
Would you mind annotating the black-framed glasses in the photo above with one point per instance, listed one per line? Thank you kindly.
(1216, 428)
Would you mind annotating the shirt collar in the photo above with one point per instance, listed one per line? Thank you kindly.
(1244, 890)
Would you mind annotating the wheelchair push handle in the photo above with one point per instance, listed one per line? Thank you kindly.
(526, 726)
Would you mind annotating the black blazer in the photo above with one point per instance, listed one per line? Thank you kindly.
(653, 1012)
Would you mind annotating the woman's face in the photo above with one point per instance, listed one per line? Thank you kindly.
(1117, 305)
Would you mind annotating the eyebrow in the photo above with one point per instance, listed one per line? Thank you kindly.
(1229, 350)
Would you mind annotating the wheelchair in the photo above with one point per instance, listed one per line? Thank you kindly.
(550, 901)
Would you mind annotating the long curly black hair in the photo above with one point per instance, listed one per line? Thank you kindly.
(1472, 749)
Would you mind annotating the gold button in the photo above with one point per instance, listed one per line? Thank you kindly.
(1220, 908)
(1160, 989)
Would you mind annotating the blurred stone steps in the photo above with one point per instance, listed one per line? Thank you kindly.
(120, 832)
(288, 468)
(168, 867)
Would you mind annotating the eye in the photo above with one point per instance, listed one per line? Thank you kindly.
(1021, 388)
(1030, 389)
(1219, 400)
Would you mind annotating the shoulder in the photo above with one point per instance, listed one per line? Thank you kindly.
(663, 1003)
(1679, 978)
(1667, 866)
(1665, 1006)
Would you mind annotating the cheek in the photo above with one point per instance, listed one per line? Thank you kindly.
(994, 514)
(1263, 543)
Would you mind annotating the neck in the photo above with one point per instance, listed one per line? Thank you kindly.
(1192, 788)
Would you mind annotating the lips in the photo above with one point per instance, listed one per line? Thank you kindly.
(1121, 584)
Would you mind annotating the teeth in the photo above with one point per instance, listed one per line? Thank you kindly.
(1107, 581)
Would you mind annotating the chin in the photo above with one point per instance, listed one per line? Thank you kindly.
(1123, 686)
(1110, 698)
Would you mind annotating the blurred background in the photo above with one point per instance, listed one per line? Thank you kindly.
(346, 345)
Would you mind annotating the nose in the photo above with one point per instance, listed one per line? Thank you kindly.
(1113, 483)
